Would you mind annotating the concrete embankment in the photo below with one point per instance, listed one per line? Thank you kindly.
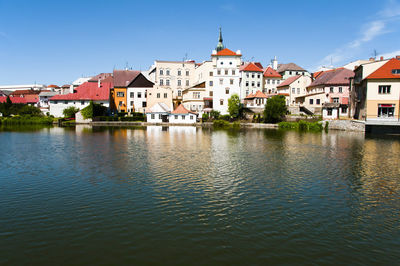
(345, 125)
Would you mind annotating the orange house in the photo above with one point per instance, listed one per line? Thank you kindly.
(122, 78)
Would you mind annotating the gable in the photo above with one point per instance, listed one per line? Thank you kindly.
(141, 82)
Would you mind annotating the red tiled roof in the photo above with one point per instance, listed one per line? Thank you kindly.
(65, 86)
(181, 110)
(258, 94)
(226, 52)
(385, 71)
(24, 92)
(52, 86)
(272, 73)
(289, 81)
(88, 91)
(258, 64)
(13, 100)
(284, 94)
(339, 76)
(122, 78)
(31, 98)
(251, 67)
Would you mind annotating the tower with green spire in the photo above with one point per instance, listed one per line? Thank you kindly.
(220, 45)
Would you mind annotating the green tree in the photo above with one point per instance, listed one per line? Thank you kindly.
(29, 110)
(70, 112)
(215, 114)
(234, 106)
(275, 109)
(93, 110)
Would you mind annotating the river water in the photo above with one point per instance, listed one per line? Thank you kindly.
(182, 195)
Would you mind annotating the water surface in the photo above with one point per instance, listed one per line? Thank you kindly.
(185, 195)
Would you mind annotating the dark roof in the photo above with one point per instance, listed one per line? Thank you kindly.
(100, 76)
(122, 78)
(338, 76)
(290, 66)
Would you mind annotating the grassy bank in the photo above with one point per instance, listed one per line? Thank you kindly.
(226, 124)
(26, 120)
(302, 126)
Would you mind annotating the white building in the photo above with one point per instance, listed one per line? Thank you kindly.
(251, 79)
(158, 113)
(137, 94)
(271, 80)
(22, 87)
(182, 116)
(226, 82)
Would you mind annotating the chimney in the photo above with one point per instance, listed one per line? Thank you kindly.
(381, 58)
(275, 63)
(371, 59)
(98, 83)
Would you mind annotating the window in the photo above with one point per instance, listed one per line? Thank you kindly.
(268, 81)
(153, 116)
(258, 75)
(340, 89)
(318, 101)
(191, 117)
(311, 101)
(247, 75)
(175, 116)
(335, 100)
(247, 83)
(132, 94)
(273, 81)
(230, 63)
(395, 71)
(187, 72)
(167, 82)
(158, 95)
(139, 94)
(211, 83)
(386, 110)
(258, 84)
(222, 63)
(226, 72)
(120, 94)
(252, 84)
(161, 82)
(344, 110)
(165, 95)
(65, 102)
(120, 103)
(329, 111)
(297, 73)
(290, 72)
(167, 72)
(233, 72)
(161, 72)
(183, 117)
(82, 102)
(179, 72)
(221, 81)
(252, 75)
(131, 103)
(187, 82)
(278, 81)
(227, 91)
(196, 95)
(221, 102)
(179, 93)
(384, 89)
(231, 81)
(247, 92)
(211, 93)
(211, 73)
(298, 90)
(331, 89)
(179, 82)
(219, 72)
(144, 104)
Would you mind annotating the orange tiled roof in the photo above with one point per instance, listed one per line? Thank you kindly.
(270, 72)
(226, 52)
(258, 94)
(385, 71)
(251, 67)
(181, 110)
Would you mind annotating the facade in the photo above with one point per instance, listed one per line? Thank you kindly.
(96, 91)
(173, 75)
(157, 95)
(193, 98)
(158, 113)
(182, 116)
(256, 102)
(291, 70)
(122, 79)
(44, 98)
(251, 79)
(226, 81)
(329, 91)
(294, 87)
(271, 80)
(137, 94)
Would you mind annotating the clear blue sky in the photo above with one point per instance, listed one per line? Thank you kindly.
(58, 41)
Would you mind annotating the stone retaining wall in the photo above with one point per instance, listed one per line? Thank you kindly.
(346, 125)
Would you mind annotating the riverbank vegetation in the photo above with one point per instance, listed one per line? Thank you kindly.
(302, 126)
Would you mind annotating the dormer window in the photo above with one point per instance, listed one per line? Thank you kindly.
(395, 71)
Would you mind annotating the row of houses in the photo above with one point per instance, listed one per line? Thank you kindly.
(365, 89)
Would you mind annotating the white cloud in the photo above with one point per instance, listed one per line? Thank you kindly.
(390, 55)
(369, 32)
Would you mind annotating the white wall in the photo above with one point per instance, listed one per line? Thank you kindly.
(182, 118)
(137, 102)
(157, 117)
(57, 107)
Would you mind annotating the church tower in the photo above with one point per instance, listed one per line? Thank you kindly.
(220, 45)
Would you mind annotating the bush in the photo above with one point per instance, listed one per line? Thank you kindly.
(221, 124)
(26, 120)
(93, 110)
(70, 112)
(275, 109)
(215, 114)
(234, 106)
(301, 126)
(205, 117)
(225, 117)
